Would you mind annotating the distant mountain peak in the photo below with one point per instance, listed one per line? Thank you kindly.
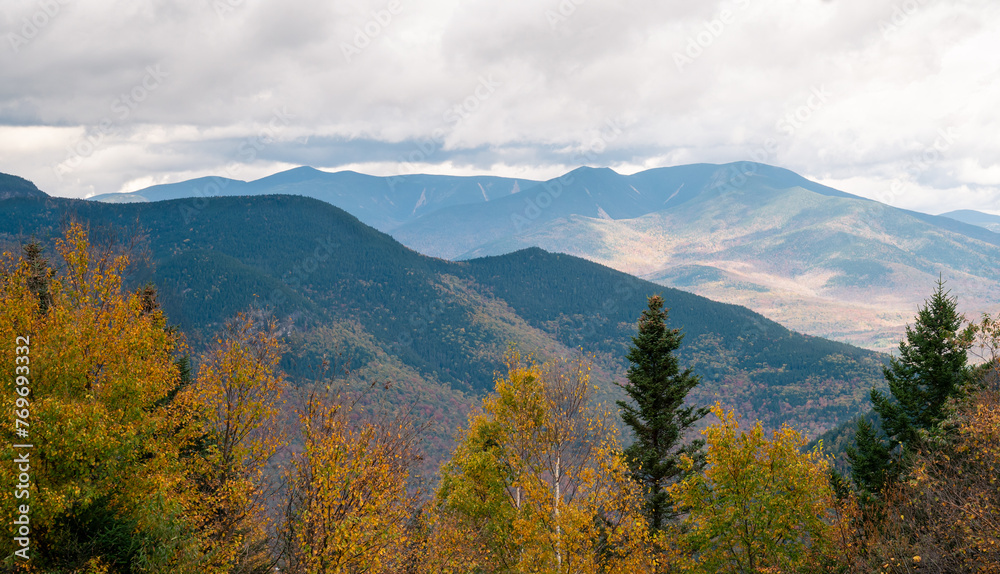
(972, 217)
(12, 186)
(587, 170)
(304, 169)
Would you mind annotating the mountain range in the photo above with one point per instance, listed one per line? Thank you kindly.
(381, 202)
(816, 259)
(438, 329)
(972, 217)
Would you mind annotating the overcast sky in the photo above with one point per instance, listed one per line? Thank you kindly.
(894, 100)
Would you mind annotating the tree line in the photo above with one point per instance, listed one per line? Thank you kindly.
(149, 459)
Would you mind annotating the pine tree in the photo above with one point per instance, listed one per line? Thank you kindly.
(870, 459)
(931, 369)
(657, 417)
(38, 274)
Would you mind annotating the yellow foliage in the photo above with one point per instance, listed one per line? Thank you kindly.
(233, 408)
(99, 365)
(351, 505)
(538, 483)
(760, 503)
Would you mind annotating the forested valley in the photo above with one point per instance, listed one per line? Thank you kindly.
(152, 454)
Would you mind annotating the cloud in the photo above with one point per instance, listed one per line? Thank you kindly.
(845, 91)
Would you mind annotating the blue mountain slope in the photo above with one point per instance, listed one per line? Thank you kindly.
(382, 202)
(978, 218)
(336, 281)
(199, 187)
(448, 216)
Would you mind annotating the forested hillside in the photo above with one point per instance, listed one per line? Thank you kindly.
(243, 451)
(343, 287)
(810, 257)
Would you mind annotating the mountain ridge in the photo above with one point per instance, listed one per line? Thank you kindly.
(985, 220)
(440, 328)
(383, 202)
(12, 186)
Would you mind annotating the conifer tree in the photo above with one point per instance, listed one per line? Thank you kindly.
(930, 369)
(38, 274)
(870, 459)
(657, 413)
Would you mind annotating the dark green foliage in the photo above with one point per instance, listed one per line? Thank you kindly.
(930, 370)
(13, 186)
(839, 439)
(96, 529)
(38, 281)
(870, 460)
(762, 363)
(658, 417)
(315, 265)
(840, 485)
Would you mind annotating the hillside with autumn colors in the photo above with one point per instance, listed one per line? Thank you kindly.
(439, 328)
(261, 383)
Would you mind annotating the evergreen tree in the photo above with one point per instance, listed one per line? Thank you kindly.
(930, 369)
(148, 299)
(657, 417)
(870, 459)
(38, 274)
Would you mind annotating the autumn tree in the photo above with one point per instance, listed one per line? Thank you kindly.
(233, 408)
(538, 483)
(759, 504)
(137, 463)
(955, 487)
(985, 346)
(657, 414)
(104, 489)
(350, 507)
(944, 516)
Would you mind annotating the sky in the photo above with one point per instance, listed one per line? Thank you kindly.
(896, 100)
